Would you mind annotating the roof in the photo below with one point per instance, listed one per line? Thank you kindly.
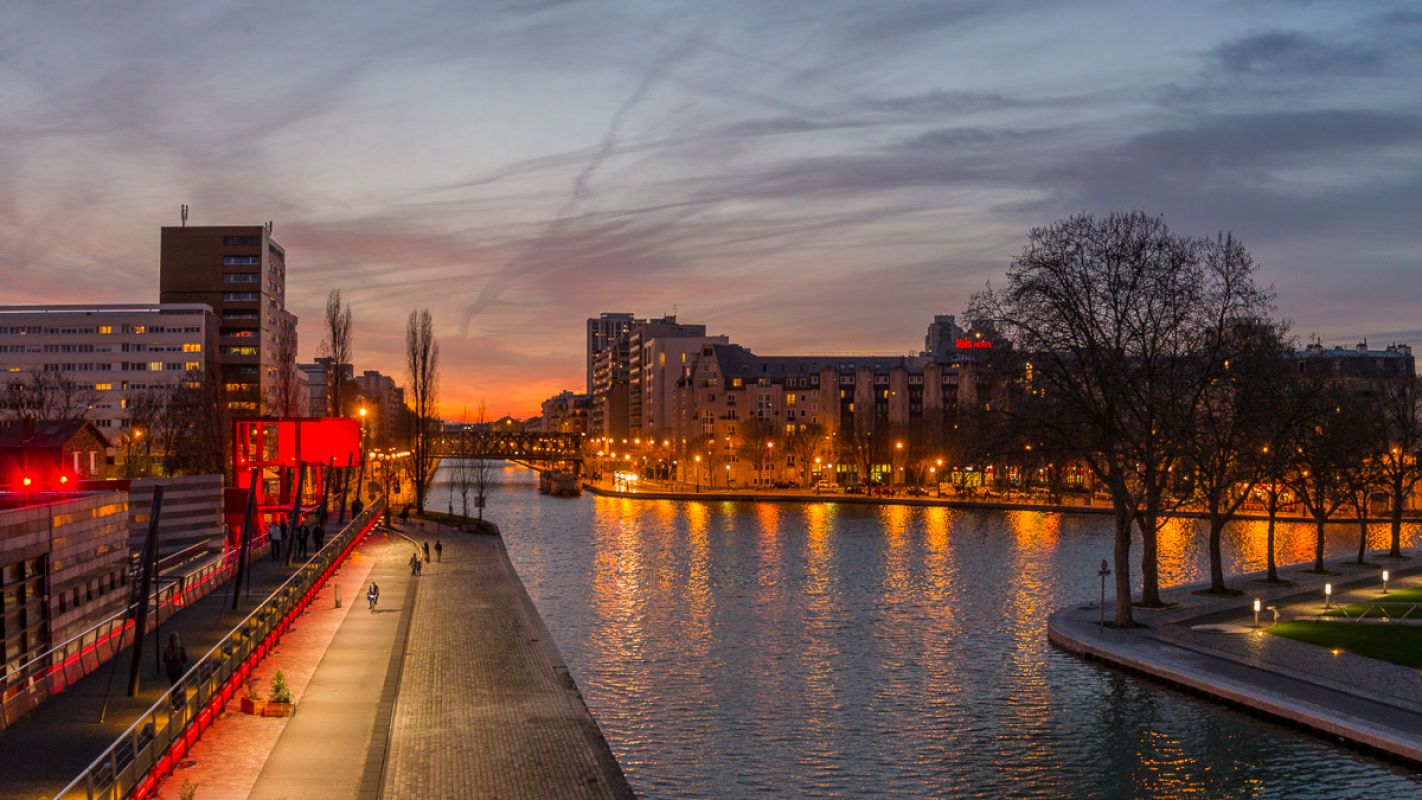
(45, 435)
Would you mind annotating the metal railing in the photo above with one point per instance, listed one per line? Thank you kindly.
(136, 763)
(56, 669)
(1375, 613)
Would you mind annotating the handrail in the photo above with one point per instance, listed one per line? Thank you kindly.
(25, 687)
(1381, 607)
(135, 764)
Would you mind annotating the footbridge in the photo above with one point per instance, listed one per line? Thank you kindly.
(553, 450)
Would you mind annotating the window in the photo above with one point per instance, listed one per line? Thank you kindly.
(241, 241)
(242, 297)
(243, 277)
(192, 347)
(103, 387)
(106, 329)
(241, 261)
(229, 313)
(140, 328)
(155, 366)
(239, 350)
(192, 365)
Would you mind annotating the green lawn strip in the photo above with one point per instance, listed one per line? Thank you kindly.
(1402, 597)
(1394, 643)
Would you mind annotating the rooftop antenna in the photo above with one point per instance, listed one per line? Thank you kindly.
(269, 227)
(185, 215)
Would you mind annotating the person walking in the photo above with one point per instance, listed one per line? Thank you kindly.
(372, 595)
(356, 507)
(427, 552)
(274, 536)
(175, 658)
(303, 535)
(318, 536)
(414, 564)
(439, 551)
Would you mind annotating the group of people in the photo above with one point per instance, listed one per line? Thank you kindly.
(304, 536)
(417, 564)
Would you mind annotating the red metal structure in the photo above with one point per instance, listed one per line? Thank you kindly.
(280, 447)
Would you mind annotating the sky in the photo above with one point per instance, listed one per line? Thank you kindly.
(805, 176)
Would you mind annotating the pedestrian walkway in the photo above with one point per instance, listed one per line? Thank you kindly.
(42, 752)
(1367, 702)
(486, 707)
(228, 760)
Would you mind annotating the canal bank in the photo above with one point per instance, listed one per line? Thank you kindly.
(926, 501)
(1210, 645)
(486, 706)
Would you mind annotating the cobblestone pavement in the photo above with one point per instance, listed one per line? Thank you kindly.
(50, 746)
(226, 761)
(486, 707)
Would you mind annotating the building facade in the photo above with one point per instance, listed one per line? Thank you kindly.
(384, 402)
(107, 352)
(603, 332)
(240, 272)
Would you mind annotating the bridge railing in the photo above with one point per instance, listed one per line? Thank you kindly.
(136, 763)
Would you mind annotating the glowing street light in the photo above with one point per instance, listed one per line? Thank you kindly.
(1385, 577)
(1327, 596)
(1256, 612)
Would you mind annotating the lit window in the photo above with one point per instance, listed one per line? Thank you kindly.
(155, 366)
(106, 329)
(103, 387)
(192, 365)
(140, 328)
(192, 347)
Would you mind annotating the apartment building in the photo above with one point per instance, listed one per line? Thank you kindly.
(240, 272)
(105, 352)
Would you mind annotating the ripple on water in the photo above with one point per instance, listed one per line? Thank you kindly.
(821, 651)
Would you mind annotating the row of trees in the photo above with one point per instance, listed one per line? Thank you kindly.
(1153, 360)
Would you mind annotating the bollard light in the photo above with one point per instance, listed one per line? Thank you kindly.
(1327, 595)
(1256, 612)
(1384, 581)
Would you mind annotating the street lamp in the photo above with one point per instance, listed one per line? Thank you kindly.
(1256, 612)
(698, 472)
(1327, 596)
(1385, 577)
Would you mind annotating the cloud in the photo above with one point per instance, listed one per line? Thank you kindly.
(1293, 54)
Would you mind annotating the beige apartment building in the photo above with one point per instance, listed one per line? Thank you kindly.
(110, 351)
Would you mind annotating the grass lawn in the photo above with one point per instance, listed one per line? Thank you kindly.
(1398, 644)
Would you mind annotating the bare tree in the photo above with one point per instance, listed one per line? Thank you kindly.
(422, 363)
(1400, 401)
(182, 426)
(481, 472)
(46, 396)
(1327, 457)
(286, 399)
(1124, 322)
(337, 347)
(1225, 456)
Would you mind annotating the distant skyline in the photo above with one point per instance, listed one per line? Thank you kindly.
(801, 176)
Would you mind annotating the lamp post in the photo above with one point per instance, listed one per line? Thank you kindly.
(1327, 596)
(1103, 572)
(1256, 612)
(1385, 576)
(698, 473)
(769, 457)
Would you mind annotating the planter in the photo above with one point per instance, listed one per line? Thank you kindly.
(254, 707)
(278, 709)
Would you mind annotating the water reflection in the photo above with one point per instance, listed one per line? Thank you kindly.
(824, 650)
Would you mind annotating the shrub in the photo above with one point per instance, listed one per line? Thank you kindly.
(281, 692)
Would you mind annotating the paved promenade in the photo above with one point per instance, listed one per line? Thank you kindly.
(335, 660)
(50, 746)
(486, 706)
(1370, 703)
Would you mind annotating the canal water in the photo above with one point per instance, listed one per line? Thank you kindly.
(821, 650)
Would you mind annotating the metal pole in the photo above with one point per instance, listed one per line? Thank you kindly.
(345, 481)
(295, 513)
(1103, 572)
(248, 520)
(150, 566)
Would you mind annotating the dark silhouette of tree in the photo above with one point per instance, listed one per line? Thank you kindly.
(337, 346)
(1400, 407)
(422, 365)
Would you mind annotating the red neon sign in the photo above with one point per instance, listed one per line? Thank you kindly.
(969, 344)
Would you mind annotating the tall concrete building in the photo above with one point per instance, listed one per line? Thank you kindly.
(658, 350)
(240, 271)
(606, 331)
(107, 352)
